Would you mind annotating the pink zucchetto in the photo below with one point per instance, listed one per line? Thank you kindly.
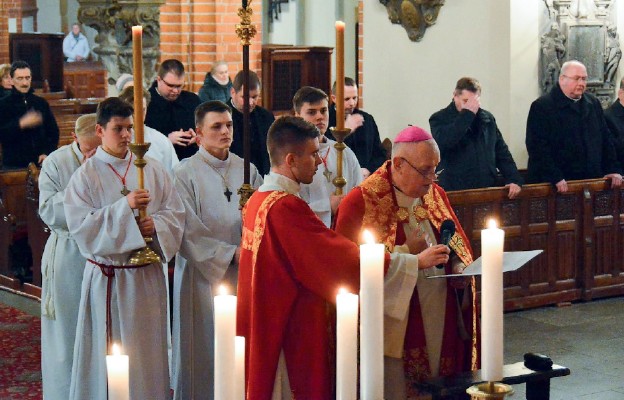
(412, 134)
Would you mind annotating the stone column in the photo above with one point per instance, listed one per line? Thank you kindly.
(113, 21)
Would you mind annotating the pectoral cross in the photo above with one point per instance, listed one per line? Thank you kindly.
(227, 193)
(327, 173)
(125, 191)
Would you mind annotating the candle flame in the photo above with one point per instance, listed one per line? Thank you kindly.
(492, 224)
(368, 237)
(342, 291)
(223, 290)
(116, 350)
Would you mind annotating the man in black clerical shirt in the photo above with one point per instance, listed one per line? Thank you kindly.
(364, 139)
(28, 130)
(615, 120)
(172, 110)
(260, 120)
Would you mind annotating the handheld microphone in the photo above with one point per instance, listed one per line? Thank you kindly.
(447, 230)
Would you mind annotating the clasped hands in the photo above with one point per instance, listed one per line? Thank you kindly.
(139, 199)
(182, 137)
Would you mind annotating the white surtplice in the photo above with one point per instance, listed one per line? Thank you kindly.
(212, 233)
(161, 149)
(62, 268)
(104, 227)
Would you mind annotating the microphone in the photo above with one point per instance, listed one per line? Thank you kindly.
(447, 230)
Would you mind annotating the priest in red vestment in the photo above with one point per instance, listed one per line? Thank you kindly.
(437, 334)
(291, 268)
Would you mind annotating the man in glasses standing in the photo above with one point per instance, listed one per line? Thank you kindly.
(172, 110)
(472, 148)
(567, 137)
(429, 330)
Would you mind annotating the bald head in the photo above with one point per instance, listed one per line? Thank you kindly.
(573, 79)
(414, 166)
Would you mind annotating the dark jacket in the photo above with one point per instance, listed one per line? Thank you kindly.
(22, 146)
(5, 92)
(568, 140)
(364, 141)
(472, 149)
(260, 121)
(213, 90)
(614, 116)
(168, 116)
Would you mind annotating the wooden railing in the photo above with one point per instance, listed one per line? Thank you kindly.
(581, 233)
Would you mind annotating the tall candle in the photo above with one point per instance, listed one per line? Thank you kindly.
(492, 240)
(340, 112)
(371, 319)
(225, 331)
(239, 367)
(346, 345)
(117, 365)
(137, 67)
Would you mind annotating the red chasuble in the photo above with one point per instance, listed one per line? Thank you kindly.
(373, 206)
(291, 267)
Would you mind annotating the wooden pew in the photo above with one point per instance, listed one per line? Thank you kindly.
(38, 231)
(581, 233)
(13, 195)
(7, 222)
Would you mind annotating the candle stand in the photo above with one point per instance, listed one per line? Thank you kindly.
(144, 255)
(340, 135)
(490, 391)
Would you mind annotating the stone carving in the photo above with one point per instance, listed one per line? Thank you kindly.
(414, 15)
(613, 54)
(113, 20)
(553, 51)
(582, 30)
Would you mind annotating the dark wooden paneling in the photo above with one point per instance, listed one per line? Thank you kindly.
(581, 233)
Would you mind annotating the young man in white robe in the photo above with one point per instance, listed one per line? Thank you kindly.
(121, 303)
(161, 148)
(208, 183)
(62, 264)
(312, 105)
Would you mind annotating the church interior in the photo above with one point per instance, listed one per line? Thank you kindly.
(567, 303)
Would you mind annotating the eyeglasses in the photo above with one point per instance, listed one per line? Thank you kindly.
(433, 176)
(171, 86)
(577, 78)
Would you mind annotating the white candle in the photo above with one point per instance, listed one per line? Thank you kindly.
(492, 240)
(371, 319)
(239, 362)
(117, 373)
(225, 331)
(346, 345)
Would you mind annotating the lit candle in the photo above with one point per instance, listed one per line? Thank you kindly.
(371, 319)
(137, 66)
(225, 331)
(340, 112)
(492, 240)
(346, 345)
(117, 373)
(239, 351)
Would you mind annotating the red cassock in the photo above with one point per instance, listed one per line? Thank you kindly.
(291, 267)
(373, 206)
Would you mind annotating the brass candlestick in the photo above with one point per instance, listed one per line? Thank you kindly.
(340, 135)
(490, 391)
(245, 192)
(144, 255)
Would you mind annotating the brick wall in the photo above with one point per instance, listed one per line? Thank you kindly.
(200, 32)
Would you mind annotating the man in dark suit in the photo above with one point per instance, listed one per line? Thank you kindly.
(567, 136)
(260, 120)
(364, 139)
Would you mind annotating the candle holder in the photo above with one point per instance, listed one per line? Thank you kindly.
(245, 30)
(340, 135)
(145, 255)
(245, 192)
(489, 391)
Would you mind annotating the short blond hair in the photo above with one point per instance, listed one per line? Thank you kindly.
(85, 125)
(5, 69)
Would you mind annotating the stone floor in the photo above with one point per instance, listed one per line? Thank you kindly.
(588, 338)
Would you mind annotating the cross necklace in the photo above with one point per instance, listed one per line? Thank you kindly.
(327, 173)
(224, 177)
(124, 190)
